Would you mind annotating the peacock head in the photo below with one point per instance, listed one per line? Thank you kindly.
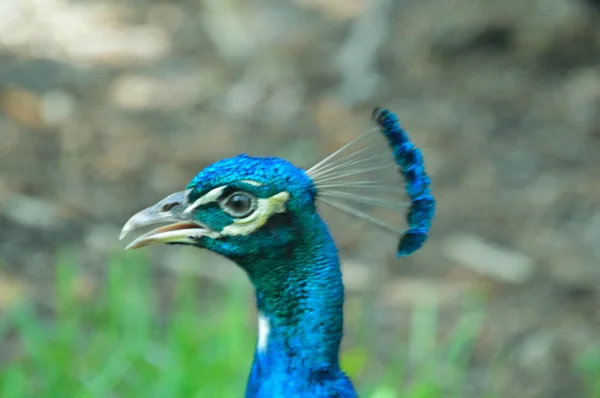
(247, 207)
(236, 207)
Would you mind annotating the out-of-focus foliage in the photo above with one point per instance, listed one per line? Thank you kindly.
(116, 341)
(107, 106)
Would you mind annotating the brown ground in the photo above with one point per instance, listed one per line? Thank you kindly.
(106, 107)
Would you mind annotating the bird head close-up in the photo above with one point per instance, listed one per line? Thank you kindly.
(244, 208)
(261, 213)
(300, 199)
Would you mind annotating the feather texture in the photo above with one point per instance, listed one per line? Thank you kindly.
(261, 214)
(379, 169)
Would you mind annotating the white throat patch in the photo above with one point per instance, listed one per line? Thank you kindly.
(263, 333)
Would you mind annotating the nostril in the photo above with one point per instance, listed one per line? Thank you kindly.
(168, 206)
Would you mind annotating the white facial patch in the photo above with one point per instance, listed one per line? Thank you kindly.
(265, 208)
(250, 182)
(208, 197)
(263, 333)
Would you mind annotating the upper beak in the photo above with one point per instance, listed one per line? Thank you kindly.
(182, 228)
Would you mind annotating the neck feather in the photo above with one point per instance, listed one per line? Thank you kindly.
(300, 297)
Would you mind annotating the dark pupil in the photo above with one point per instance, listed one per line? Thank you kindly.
(239, 203)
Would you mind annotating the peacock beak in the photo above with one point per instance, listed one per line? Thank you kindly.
(181, 227)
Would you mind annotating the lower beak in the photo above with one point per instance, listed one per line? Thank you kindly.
(173, 233)
(182, 228)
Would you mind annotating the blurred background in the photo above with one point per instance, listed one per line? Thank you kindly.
(108, 106)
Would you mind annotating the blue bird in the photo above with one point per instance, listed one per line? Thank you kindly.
(261, 213)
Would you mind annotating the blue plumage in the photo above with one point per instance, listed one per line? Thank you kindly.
(261, 214)
(417, 182)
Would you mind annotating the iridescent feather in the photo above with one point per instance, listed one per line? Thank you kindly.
(382, 169)
(261, 214)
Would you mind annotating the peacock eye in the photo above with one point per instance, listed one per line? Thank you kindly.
(239, 204)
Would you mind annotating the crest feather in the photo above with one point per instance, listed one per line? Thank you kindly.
(380, 169)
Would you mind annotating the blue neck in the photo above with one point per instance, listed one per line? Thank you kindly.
(300, 297)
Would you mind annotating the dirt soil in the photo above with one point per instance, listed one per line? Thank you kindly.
(106, 107)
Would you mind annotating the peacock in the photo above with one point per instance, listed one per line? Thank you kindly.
(261, 213)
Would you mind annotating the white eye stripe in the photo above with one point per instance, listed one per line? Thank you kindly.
(213, 195)
(265, 208)
(250, 182)
(208, 197)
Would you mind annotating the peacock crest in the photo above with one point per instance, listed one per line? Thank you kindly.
(262, 214)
